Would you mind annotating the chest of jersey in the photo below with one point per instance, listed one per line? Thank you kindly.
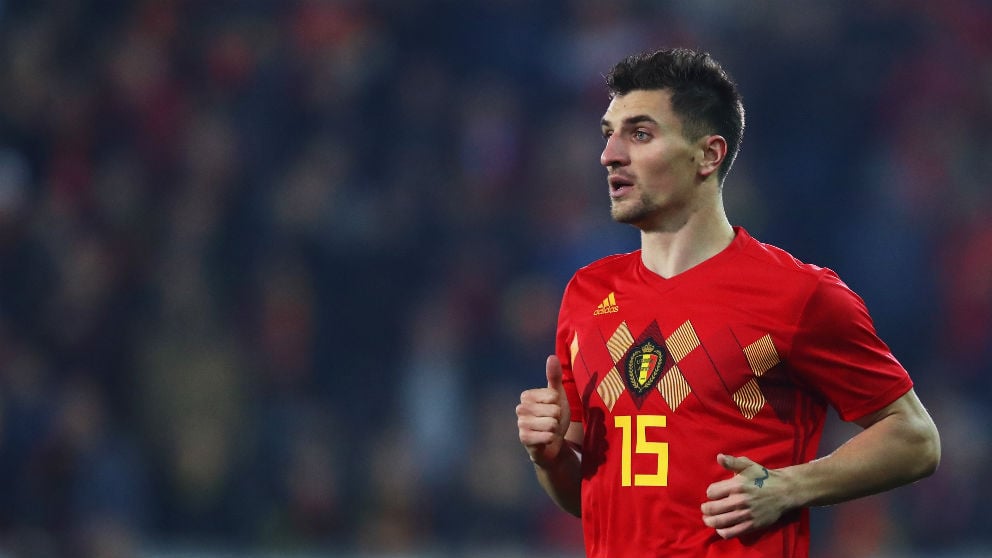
(714, 350)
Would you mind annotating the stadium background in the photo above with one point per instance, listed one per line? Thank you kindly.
(273, 274)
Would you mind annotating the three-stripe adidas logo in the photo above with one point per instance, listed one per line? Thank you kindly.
(608, 306)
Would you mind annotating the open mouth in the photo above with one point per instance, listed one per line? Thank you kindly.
(620, 186)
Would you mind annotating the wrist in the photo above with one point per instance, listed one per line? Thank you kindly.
(566, 452)
(542, 460)
(797, 494)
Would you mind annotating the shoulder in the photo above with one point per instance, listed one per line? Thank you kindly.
(771, 259)
(601, 277)
(823, 297)
(775, 256)
(611, 261)
(607, 265)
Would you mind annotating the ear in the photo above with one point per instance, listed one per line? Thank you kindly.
(714, 150)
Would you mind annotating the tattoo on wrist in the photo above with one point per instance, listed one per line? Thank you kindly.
(759, 482)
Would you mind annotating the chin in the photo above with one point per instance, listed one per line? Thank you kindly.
(626, 217)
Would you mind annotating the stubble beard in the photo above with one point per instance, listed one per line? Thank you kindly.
(631, 212)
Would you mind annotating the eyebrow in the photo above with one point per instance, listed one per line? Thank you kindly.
(630, 120)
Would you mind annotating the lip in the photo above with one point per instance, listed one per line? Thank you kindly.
(620, 185)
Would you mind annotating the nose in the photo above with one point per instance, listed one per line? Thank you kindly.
(614, 153)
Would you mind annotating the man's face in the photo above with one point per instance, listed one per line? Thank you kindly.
(652, 168)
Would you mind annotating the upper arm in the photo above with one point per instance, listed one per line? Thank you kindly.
(909, 423)
(908, 407)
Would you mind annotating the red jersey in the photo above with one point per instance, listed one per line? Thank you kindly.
(741, 355)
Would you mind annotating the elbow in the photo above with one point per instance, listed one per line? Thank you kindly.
(933, 452)
(921, 438)
(928, 448)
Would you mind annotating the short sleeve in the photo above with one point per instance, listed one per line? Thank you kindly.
(837, 352)
(564, 341)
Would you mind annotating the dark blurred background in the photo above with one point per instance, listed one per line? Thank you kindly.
(273, 273)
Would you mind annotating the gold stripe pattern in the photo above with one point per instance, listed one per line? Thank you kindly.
(682, 341)
(611, 387)
(573, 349)
(761, 355)
(673, 387)
(749, 399)
(620, 342)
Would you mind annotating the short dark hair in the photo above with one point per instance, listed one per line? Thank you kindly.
(704, 96)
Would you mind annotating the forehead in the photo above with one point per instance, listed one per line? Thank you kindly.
(656, 103)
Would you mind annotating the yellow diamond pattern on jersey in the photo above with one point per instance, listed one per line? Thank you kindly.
(611, 387)
(762, 356)
(749, 399)
(620, 342)
(673, 387)
(682, 342)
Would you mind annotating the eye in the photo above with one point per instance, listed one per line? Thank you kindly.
(641, 135)
(607, 134)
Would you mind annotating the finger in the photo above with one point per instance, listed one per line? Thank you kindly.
(730, 503)
(736, 530)
(728, 519)
(722, 489)
(535, 409)
(538, 424)
(534, 438)
(734, 464)
(553, 372)
(540, 396)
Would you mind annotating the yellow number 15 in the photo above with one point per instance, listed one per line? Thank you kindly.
(660, 449)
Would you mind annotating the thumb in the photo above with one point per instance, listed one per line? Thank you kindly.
(733, 464)
(553, 370)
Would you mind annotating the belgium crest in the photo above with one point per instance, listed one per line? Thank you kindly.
(644, 366)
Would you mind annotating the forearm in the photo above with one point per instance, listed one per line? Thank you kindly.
(895, 450)
(562, 479)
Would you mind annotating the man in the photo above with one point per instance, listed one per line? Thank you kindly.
(691, 379)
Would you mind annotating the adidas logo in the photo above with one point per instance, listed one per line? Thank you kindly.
(608, 306)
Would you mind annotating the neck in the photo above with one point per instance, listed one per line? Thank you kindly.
(697, 237)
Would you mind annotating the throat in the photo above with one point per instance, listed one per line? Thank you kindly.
(670, 254)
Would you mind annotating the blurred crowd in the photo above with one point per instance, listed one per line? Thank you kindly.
(273, 273)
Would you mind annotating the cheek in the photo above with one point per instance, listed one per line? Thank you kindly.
(661, 170)
(664, 161)
(679, 167)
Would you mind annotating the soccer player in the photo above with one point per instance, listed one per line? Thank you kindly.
(691, 378)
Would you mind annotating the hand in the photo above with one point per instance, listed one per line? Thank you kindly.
(754, 498)
(543, 416)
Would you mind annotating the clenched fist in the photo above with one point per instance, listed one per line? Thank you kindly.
(543, 417)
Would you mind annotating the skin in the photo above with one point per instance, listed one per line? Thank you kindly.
(668, 186)
(663, 183)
